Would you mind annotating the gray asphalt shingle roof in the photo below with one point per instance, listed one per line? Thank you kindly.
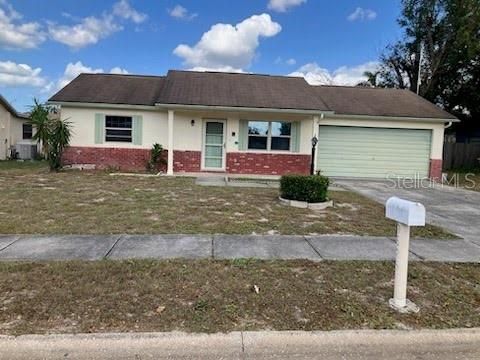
(245, 90)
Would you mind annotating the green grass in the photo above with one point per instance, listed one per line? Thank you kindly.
(36, 201)
(212, 296)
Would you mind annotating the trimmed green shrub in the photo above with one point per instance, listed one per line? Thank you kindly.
(309, 188)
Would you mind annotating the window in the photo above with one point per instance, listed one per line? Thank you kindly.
(27, 131)
(118, 128)
(269, 135)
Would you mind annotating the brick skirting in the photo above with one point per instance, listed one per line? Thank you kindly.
(128, 159)
(267, 164)
(436, 169)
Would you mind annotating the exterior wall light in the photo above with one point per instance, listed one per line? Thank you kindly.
(192, 122)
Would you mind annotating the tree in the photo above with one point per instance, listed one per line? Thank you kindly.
(59, 134)
(372, 79)
(39, 119)
(447, 32)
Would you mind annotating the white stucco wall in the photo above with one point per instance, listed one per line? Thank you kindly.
(83, 126)
(188, 137)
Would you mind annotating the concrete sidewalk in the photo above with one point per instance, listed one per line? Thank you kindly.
(97, 247)
(452, 344)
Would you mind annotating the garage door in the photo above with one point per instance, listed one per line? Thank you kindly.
(373, 152)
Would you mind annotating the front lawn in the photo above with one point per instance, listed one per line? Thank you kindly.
(213, 296)
(35, 201)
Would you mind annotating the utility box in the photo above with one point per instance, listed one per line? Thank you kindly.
(405, 212)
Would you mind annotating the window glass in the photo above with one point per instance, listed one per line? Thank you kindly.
(27, 131)
(257, 142)
(281, 128)
(118, 128)
(258, 128)
(281, 143)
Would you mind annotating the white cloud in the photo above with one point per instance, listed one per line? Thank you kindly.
(92, 29)
(72, 70)
(124, 10)
(229, 46)
(344, 75)
(15, 34)
(291, 61)
(89, 31)
(180, 12)
(284, 5)
(13, 74)
(362, 15)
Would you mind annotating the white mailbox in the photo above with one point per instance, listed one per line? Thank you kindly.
(405, 212)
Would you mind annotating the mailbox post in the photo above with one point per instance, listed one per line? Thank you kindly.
(405, 213)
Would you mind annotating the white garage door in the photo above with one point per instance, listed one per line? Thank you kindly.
(373, 152)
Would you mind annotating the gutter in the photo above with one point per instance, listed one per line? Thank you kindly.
(240, 108)
(102, 105)
(391, 118)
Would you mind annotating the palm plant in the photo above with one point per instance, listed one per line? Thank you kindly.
(39, 120)
(372, 79)
(59, 134)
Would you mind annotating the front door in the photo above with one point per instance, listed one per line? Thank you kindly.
(214, 145)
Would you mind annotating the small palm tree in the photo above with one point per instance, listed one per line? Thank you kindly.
(40, 122)
(372, 79)
(59, 134)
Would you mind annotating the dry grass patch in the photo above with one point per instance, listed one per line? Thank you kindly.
(211, 296)
(35, 201)
(469, 181)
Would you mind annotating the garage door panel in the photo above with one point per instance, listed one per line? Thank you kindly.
(373, 152)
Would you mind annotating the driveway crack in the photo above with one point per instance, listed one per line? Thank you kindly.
(111, 249)
(16, 238)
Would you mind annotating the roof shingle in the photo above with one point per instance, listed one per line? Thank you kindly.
(245, 90)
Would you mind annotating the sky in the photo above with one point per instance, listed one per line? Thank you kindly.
(45, 44)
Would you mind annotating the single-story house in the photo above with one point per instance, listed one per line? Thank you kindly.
(251, 124)
(15, 133)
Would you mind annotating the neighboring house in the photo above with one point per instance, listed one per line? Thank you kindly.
(15, 132)
(251, 124)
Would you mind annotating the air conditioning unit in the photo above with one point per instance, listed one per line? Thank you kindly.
(26, 151)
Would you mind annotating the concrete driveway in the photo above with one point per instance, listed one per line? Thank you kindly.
(454, 209)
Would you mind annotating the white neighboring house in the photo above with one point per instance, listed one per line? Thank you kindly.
(15, 133)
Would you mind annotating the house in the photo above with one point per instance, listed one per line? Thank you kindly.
(251, 124)
(15, 133)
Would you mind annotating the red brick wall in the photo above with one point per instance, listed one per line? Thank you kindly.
(186, 161)
(435, 169)
(121, 158)
(129, 159)
(267, 164)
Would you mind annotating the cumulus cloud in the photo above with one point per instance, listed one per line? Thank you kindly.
(16, 34)
(13, 74)
(180, 12)
(92, 29)
(124, 10)
(89, 31)
(362, 14)
(72, 70)
(283, 5)
(227, 46)
(344, 75)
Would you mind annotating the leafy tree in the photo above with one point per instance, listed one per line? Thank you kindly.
(447, 32)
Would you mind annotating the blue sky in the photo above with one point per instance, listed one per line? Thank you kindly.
(45, 44)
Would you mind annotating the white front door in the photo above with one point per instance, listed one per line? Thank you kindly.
(214, 145)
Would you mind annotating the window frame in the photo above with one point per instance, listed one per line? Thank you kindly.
(269, 136)
(23, 131)
(118, 128)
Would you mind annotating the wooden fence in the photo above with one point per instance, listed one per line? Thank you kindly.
(461, 155)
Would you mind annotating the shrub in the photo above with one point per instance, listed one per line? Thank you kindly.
(311, 188)
(156, 158)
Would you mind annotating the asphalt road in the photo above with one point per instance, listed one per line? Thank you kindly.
(456, 344)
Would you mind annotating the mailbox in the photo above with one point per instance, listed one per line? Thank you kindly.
(405, 212)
